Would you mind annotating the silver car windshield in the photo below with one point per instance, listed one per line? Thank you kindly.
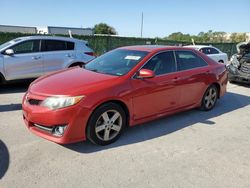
(5, 45)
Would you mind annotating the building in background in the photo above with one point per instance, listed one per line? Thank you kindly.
(51, 30)
(18, 29)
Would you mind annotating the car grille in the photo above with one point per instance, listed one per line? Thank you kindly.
(34, 101)
(245, 68)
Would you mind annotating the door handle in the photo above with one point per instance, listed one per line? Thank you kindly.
(68, 55)
(36, 57)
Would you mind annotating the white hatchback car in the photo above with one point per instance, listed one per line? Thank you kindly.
(212, 52)
(33, 56)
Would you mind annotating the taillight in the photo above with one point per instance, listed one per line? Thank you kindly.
(90, 53)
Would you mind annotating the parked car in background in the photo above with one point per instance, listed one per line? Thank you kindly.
(126, 86)
(212, 52)
(239, 66)
(33, 56)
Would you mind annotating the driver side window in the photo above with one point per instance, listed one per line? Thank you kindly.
(27, 47)
(162, 63)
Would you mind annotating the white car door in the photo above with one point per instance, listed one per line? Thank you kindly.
(56, 55)
(26, 62)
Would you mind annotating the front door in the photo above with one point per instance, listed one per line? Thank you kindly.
(26, 62)
(159, 94)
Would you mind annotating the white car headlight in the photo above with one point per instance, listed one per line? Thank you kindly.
(60, 102)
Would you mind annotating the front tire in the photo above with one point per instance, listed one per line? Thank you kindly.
(210, 98)
(106, 124)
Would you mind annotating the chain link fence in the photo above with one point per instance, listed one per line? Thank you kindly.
(103, 43)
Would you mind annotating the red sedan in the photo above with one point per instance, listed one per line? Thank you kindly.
(124, 87)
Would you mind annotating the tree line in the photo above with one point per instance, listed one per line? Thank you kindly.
(202, 37)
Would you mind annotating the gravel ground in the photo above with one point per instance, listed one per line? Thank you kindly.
(190, 149)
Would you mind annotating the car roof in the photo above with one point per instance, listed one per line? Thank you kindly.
(199, 46)
(49, 38)
(153, 48)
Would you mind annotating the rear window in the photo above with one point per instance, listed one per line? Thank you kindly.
(188, 60)
(53, 45)
(70, 45)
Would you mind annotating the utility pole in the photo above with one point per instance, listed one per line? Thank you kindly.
(141, 24)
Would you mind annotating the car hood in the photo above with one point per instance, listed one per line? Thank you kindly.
(73, 81)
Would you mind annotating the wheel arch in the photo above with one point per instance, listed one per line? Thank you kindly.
(217, 85)
(2, 79)
(116, 101)
(221, 61)
(72, 64)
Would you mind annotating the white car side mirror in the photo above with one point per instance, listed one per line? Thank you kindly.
(9, 52)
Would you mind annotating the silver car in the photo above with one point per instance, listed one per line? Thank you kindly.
(33, 56)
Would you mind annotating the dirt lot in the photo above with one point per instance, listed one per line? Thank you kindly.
(190, 149)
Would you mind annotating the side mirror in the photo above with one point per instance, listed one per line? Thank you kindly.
(9, 52)
(145, 73)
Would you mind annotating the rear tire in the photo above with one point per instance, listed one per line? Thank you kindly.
(210, 98)
(2, 79)
(106, 124)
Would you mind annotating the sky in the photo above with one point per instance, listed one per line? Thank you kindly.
(161, 17)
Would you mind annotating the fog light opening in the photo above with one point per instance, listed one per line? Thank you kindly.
(59, 130)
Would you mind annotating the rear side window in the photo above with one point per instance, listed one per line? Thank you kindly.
(53, 45)
(209, 51)
(214, 51)
(70, 45)
(162, 63)
(30, 46)
(188, 60)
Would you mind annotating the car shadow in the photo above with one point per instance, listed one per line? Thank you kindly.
(4, 159)
(241, 84)
(167, 125)
(10, 107)
(17, 87)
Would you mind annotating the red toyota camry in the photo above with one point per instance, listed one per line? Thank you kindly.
(124, 87)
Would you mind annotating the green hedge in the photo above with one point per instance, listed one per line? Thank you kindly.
(102, 44)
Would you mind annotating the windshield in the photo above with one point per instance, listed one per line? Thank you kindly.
(117, 62)
(5, 45)
(9, 43)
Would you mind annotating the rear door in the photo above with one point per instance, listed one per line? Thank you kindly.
(193, 77)
(57, 54)
(160, 94)
(27, 61)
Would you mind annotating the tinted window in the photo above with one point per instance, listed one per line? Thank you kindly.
(70, 45)
(213, 51)
(117, 62)
(53, 45)
(27, 47)
(209, 51)
(188, 60)
(162, 63)
(205, 50)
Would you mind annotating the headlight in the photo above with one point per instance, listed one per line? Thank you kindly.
(60, 102)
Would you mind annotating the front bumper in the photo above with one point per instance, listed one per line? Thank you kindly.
(41, 121)
(237, 76)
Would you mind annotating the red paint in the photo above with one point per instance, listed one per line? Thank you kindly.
(145, 99)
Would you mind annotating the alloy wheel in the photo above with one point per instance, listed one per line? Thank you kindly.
(108, 125)
(210, 98)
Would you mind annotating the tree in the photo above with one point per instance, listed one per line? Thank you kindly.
(238, 37)
(103, 28)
